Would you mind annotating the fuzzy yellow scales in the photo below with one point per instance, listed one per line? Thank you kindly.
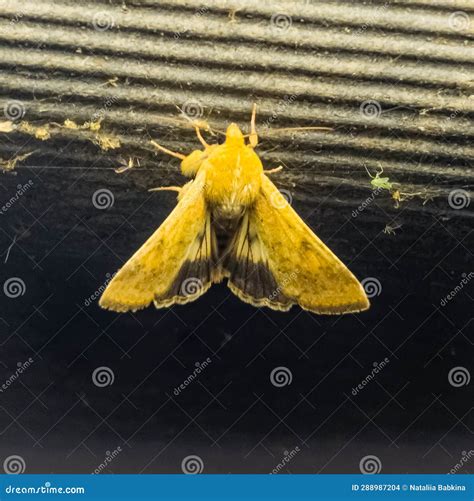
(232, 222)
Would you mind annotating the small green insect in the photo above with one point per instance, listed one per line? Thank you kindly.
(380, 183)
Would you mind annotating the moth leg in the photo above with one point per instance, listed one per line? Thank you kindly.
(253, 137)
(167, 188)
(272, 171)
(201, 139)
(166, 150)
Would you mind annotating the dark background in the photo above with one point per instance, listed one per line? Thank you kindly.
(314, 64)
(410, 417)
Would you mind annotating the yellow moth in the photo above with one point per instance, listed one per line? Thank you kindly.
(232, 222)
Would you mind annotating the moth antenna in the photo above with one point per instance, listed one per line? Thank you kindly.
(199, 135)
(166, 150)
(166, 188)
(295, 128)
(253, 136)
(303, 128)
(272, 171)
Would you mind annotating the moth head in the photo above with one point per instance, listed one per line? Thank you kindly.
(234, 136)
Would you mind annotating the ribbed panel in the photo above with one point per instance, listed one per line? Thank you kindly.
(393, 79)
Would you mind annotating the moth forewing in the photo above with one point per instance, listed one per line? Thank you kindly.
(157, 271)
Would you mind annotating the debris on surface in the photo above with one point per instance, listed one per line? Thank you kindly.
(9, 165)
(41, 132)
(6, 126)
(391, 230)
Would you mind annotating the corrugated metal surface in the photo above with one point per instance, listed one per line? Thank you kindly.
(394, 79)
